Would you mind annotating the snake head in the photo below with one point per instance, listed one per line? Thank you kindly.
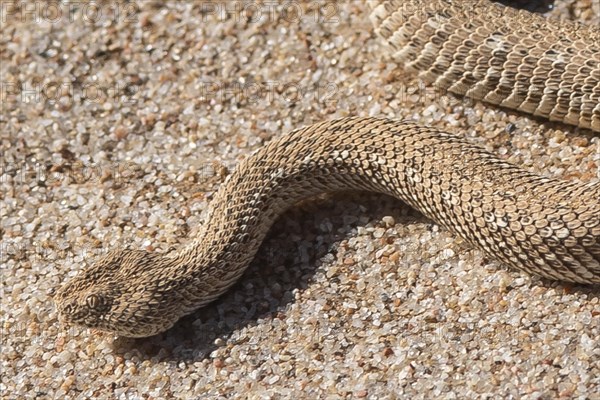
(116, 294)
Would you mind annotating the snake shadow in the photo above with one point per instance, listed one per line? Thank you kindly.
(283, 264)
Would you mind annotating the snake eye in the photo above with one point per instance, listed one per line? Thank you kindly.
(94, 301)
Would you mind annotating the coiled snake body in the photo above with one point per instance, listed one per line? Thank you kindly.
(543, 226)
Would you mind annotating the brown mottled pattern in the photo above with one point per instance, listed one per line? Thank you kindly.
(543, 226)
(511, 58)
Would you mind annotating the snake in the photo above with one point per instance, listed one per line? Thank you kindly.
(540, 225)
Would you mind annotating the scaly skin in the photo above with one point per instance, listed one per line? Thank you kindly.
(543, 226)
(485, 51)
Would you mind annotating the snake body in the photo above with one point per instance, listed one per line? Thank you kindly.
(543, 226)
(508, 57)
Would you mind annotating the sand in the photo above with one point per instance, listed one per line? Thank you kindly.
(118, 123)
